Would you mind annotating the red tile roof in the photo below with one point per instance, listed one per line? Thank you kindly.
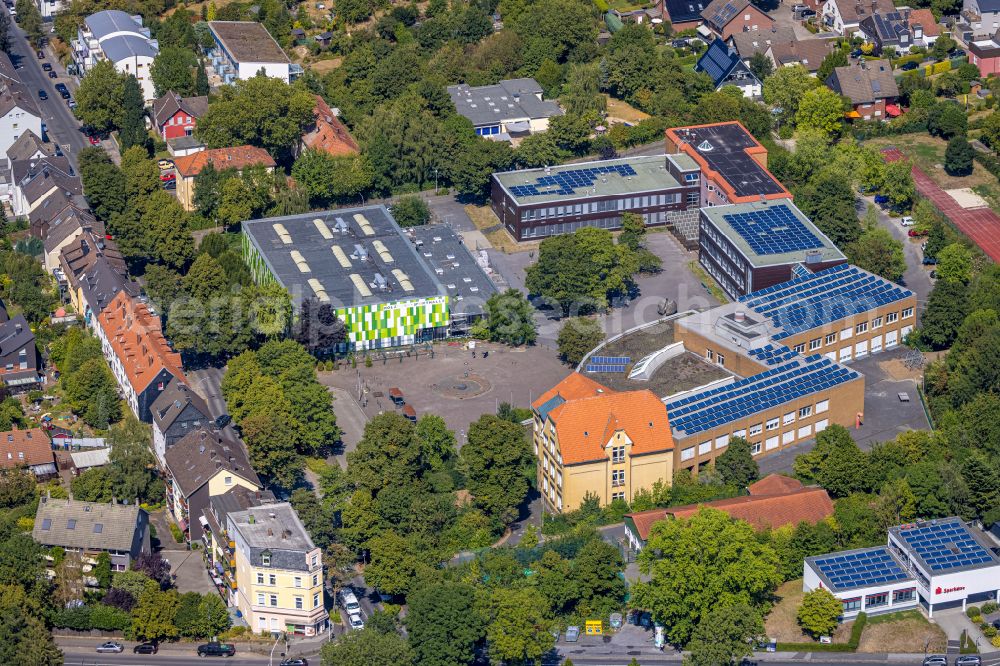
(19, 448)
(574, 386)
(328, 133)
(238, 157)
(585, 425)
(775, 484)
(136, 338)
(925, 18)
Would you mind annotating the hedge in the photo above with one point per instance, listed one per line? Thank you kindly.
(95, 616)
(850, 646)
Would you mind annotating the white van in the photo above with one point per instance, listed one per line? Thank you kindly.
(349, 602)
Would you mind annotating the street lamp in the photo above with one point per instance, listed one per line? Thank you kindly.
(277, 637)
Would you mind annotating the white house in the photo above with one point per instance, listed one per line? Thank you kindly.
(49, 8)
(244, 48)
(116, 36)
(844, 16)
(18, 109)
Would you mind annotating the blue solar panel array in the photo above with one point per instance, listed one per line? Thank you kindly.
(567, 182)
(773, 354)
(718, 61)
(810, 301)
(773, 230)
(605, 367)
(755, 394)
(613, 360)
(868, 567)
(946, 545)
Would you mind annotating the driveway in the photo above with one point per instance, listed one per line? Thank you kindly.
(917, 277)
(351, 419)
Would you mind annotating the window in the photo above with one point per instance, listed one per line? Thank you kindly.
(900, 596)
(772, 424)
(831, 338)
(846, 333)
(273, 599)
(788, 418)
(861, 328)
(617, 478)
(693, 198)
(297, 581)
(755, 448)
(316, 600)
(875, 600)
(805, 411)
(265, 559)
(851, 605)
(229, 480)
(805, 431)
(617, 496)
(272, 580)
(705, 447)
(722, 441)
(618, 454)
(822, 406)
(877, 322)
(771, 443)
(687, 453)
(691, 177)
(709, 354)
(788, 437)
(892, 317)
(720, 359)
(821, 425)
(815, 343)
(260, 598)
(298, 603)
(907, 312)
(260, 579)
(739, 433)
(315, 580)
(755, 429)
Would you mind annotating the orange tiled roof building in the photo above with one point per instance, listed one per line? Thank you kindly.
(328, 133)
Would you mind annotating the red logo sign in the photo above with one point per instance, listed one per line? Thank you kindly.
(947, 590)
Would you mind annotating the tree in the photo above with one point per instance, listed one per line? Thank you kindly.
(31, 22)
(878, 252)
(836, 463)
(5, 32)
(736, 465)
(318, 326)
(93, 485)
(173, 70)
(213, 616)
(898, 185)
(819, 612)
(93, 393)
(726, 637)
(444, 625)
(155, 568)
(201, 87)
(761, 66)
(329, 179)
(497, 454)
(519, 628)
(411, 211)
(437, 442)
(786, 88)
(102, 181)
(509, 318)
(947, 119)
(821, 109)
(958, 156)
(153, 615)
(837, 58)
(954, 263)
(367, 647)
(699, 565)
(102, 570)
(577, 337)
(99, 98)
(132, 466)
(17, 487)
(132, 127)
(272, 437)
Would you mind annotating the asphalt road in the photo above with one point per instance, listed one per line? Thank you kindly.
(61, 125)
(82, 657)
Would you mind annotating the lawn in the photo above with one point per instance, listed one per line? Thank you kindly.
(908, 631)
(624, 111)
(781, 624)
(486, 221)
(927, 152)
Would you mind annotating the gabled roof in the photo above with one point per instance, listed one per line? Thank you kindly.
(757, 41)
(172, 402)
(866, 82)
(201, 454)
(136, 338)
(810, 53)
(925, 19)
(511, 98)
(96, 266)
(573, 387)
(328, 133)
(720, 61)
(29, 145)
(775, 484)
(68, 221)
(852, 11)
(719, 13)
(88, 525)
(35, 178)
(25, 448)
(237, 157)
(15, 335)
(684, 11)
(166, 107)
(584, 426)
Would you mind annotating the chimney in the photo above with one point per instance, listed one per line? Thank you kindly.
(740, 316)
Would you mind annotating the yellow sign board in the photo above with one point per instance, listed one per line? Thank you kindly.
(595, 628)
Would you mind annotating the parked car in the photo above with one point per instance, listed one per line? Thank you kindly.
(906, 221)
(935, 660)
(110, 647)
(46, 66)
(94, 141)
(881, 199)
(909, 66)
(856, 53)
(40, 54)
(146, 648)
(956, 53)
(165, 164)
(356, 621)
(216, 650)
(42, 95)
(170, 185)
(61, 87)
(64, 94)
(52, 74)
(934, 275)
(168, 176)
(929, 261)
(223, 421)
(71, 103)
(969, 660)
(297, 661)
(916, 233)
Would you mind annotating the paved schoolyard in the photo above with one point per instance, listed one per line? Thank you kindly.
(982, 225)
(453, 384)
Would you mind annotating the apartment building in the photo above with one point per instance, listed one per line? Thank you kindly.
(91, 528)
(120, 38)
(245, 48)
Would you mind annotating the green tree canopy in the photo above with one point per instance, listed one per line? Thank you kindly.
(509, 318)
(820, 612)
(725, 637)
(499, 459)
(173, 70)
(577, 337)
(736, 465)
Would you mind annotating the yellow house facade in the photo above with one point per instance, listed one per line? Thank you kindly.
(591, 440)
(279, 571)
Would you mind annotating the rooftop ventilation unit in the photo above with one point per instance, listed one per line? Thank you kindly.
(341, 257)
(359, 252)
(341, 226)
(322, 228)
(380, 283)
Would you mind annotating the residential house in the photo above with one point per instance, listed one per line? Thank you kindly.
(49, 8)
(19, 112)
(508, 109)
(29, 449)
(20, 362)
(985, 54)
(217, 546)
(175, 116)
(683, 14)
(91, 528)
(844, 16)
(59, 221)
(176, 412)
(809, 53)
(747, 44)
(870, 86)
(726, 17)
(279, 571)
(774, 501)
(35, 179)
(900, 30)
(140, 357)
(591, 440)
(981, 19)
(238, 158)
(328, 133)
(91, 273)
(29, 146)
(245, 48)
(201, 465)
(723, 64)
(121, 38)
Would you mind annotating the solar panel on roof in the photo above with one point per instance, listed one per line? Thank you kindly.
(946, 545)
(774, 230)
(860, 569)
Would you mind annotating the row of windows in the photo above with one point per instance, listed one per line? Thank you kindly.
(724, 245)
(723, 279)
(718, 357)
(296, 581)
(585, 208)
(299, 602)
(878, 599)
(859, 329)
(558, 228)
(735, 275)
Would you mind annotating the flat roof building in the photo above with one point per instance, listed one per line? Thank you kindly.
(747, 247)
(535, 203)
(510, 108)
(244, 48)
(360, 262)
(935, 564)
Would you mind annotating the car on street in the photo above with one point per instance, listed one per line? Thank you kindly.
(934, 275)
(170, 185)
(145, 648)
(40, 54)
(47, 66)
(935, 660)
(168, 177)
(110, 647)
(223, 421)
(216, 650)
(356, 621)
(52, 74)
(64, 94)
(165, 164)
(297, 661)
(42, 95)
(906, 221)
(909, 66)
(71, 103)
(969, 660)
(929, 261)
(916, 233)
(61, 87)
